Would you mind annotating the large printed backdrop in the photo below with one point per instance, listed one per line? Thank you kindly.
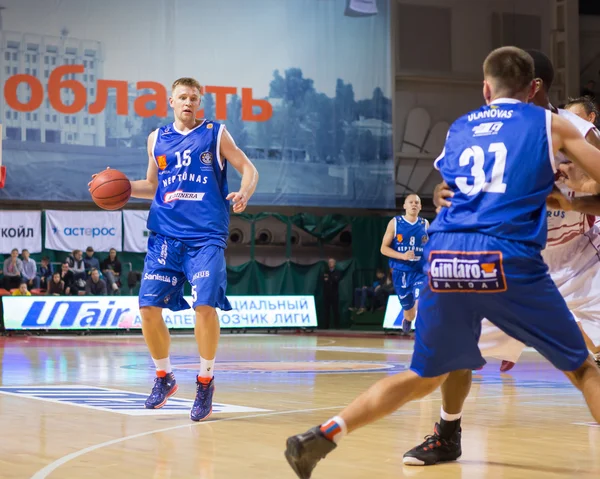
(302, 85)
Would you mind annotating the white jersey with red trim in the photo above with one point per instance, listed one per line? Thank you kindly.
(567, 226)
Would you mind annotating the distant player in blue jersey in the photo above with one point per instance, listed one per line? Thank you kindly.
(484, 255)
(189, 224)
(403, 243)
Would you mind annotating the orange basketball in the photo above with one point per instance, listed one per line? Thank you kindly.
(110, 189)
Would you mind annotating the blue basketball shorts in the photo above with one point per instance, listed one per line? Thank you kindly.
(474, 276)
(408, 286)
(169, 263)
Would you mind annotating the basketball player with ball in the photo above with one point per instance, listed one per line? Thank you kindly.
(189, 226)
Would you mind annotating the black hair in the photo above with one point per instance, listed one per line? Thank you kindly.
(543, 68)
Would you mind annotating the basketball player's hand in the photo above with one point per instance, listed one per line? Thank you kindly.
(557, 201)
(576, 179)
(409, 255)
(94, 176)
(440, 195)
(239, 201)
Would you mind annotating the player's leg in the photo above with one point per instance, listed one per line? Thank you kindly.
(206, 270)
(404, 290)
(588, 341)
(441, 345)
(549, 328)
(161, 286)
(445, 442)
(416, 281)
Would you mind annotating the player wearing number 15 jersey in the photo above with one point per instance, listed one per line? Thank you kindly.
(189, 226)
(484, 255)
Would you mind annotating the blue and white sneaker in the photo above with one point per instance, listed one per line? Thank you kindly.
(202, 407)
(164, 387)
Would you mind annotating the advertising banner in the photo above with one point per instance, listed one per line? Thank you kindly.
(71, 230)
(21, 230)
(122, 312)
(304, 89)
(135, 238)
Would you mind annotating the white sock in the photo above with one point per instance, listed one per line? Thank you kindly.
(163, 364)
(207, 367)
(334, 429)
(449, 417)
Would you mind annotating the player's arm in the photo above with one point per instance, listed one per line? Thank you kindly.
(238, 159)
(388, 237)
(588, 205)
(146, 189)
(567, 138)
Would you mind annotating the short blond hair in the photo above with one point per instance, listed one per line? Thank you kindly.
(187, 81)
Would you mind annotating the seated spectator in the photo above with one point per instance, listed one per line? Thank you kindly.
(76, 265)
(90, 260)
(45, 273)
(67, 276)
(111, 269)
(56, 286)
(361, 294)
(30, 270)
(13, 270)
(94, 285)
(22, 291)
(382, 294)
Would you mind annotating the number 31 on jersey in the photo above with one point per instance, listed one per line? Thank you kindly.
(477, 157)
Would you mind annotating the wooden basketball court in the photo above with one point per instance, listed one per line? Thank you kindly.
(73, 408)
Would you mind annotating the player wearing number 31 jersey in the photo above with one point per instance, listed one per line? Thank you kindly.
(484, 257)
(189, 225)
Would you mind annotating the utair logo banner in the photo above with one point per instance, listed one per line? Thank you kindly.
(74, 314)
(454, 271)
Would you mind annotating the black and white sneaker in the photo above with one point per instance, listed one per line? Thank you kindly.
(304, 451)
(434, 450)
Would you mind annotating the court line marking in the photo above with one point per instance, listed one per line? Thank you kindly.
(50, 468)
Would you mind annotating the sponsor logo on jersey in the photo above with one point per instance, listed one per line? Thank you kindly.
(491, 113)
(487, 129)
(424, 239)
(183, 196)
(206, 158)
(162, 162)
(160, 277)
(399, 238)
(454, 271)
(201, 274)
(209, 126)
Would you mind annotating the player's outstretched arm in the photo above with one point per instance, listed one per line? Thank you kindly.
(567, 138)
(238, 159)
(388, 237)
(146, 189)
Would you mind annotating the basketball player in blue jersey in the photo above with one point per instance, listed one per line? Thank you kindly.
(403, 243)
(189, 224)
(484, 255)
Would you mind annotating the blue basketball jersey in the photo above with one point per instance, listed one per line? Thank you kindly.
(498, 161)
(409, 237)
(190, 203)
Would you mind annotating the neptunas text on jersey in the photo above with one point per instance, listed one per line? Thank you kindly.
(185, 177)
